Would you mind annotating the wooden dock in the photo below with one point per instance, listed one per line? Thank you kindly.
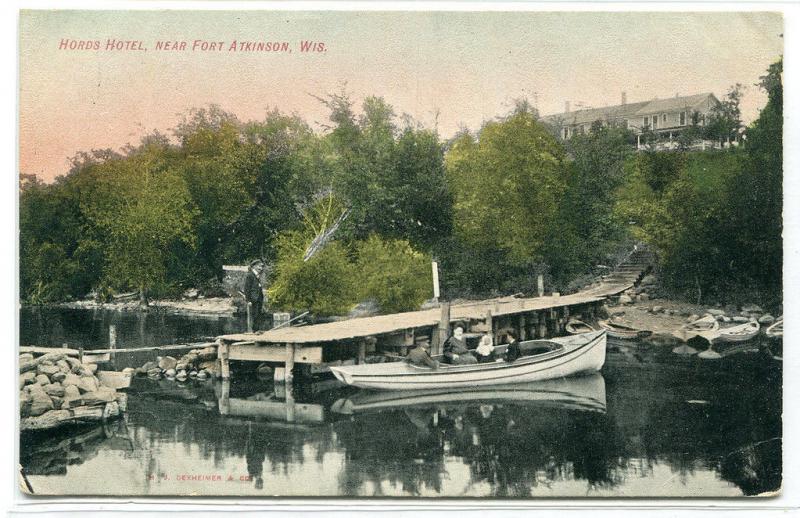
(368, 339)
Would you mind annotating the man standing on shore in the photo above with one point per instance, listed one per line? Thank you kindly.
(254, 294)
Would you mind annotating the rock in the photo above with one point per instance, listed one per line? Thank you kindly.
(191, 293)
(71, 379)
(766, 319)
(87, 384)
(189, 358)
(625, 299)
(28, 377)
(47, 370)
(72, 362)
(740, 320)
(180, 366)
(193, 374)
(181, 375)
(155, 372)
(719, 318)
(209, 353)
(42, 379)
(202, 375)
(130, 371)
(71, 392)
(210, 366)
(643, 297)
(692, 318)
(64, 366)
(24, 404)
(54, 389)
(648, 280)
(40, 403)
(147, 367)
(170, 373)
(751, 308)
(715, 312)
(101, 395)
(91, 367)
(166, 363)
(657, 309)
(57, 402)
(726, 320)
(25, 357)
(58, 377)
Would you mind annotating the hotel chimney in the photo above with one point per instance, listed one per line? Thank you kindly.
(624, 98)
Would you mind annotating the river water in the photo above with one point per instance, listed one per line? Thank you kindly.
(651, 424)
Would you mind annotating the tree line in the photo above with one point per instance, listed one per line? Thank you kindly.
(495, 207)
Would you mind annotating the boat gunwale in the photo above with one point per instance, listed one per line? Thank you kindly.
(480, 368)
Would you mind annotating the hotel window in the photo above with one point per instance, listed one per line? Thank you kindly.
(664, 119)
(683, 118)
(655, 121)
(645, 122)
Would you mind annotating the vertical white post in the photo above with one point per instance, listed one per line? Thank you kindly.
(540, 285)
(435, 271)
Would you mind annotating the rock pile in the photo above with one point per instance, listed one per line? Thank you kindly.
(198, 364)
(57, 382)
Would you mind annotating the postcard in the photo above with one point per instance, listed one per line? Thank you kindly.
(354, 253)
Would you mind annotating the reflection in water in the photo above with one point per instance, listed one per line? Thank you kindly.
(651, 424)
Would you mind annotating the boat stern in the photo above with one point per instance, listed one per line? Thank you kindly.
(342, 375)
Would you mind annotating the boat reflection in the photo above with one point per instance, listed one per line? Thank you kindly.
(587, 393)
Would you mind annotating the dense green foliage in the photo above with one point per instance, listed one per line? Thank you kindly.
(494, 207)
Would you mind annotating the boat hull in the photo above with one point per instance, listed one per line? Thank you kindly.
(621, 333)
(749, 332)
(577, 355)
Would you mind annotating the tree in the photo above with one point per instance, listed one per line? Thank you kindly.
(391, 178)
(143, 207)
(725, 120)
(507, 186)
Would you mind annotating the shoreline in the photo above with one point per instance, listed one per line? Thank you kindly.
(211, 306)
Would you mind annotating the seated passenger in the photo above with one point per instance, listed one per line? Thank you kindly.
(419, 356)
(513, 351)
(485, 350)
(455, 349)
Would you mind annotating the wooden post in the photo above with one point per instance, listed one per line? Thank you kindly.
(542, 324)
(225, 397)
(80, 354)
(290, 407)
(540, 285)
(490, 325)
(289, 362)
(435, 272)
(249, 317)
(443, 330)
(112, 340)
(522, 333)
(222, 354)
(362, 352)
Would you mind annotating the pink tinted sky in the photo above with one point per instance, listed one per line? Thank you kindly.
(467, 66)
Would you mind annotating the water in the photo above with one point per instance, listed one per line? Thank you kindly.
(652, 424)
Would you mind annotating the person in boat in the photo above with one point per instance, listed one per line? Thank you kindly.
(485, 351)
(419, 356)
(253, 293)
(455, 349)
(512, 351)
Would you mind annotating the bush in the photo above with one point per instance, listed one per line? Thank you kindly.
(324, 285)
(393, 274)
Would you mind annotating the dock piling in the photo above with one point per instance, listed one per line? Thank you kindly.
(289, 362)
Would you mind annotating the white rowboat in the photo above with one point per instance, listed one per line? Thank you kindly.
(622, 332)
(585, 393)
(576, 327)
(776, 329)
(740, 333)
(545, 359)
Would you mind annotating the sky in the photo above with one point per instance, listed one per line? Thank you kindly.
(467, 67)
